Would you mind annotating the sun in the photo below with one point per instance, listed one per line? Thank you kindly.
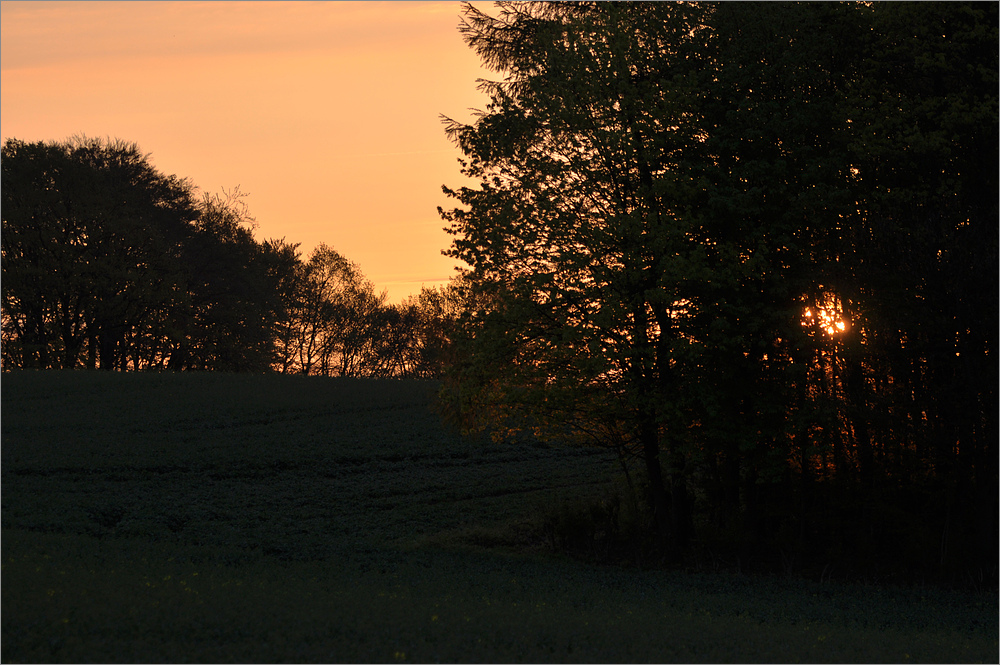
(826, 314)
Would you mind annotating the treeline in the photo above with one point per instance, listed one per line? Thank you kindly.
(753, 248)
(109, 264)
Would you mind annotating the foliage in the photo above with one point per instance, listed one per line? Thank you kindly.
(570, 237)
(90, 266)
(264, 518)
(327, 322)
(339, 326)
(759, 240)
(108, 263)
(238, 290)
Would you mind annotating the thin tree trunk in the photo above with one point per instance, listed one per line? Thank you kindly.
(659, 500)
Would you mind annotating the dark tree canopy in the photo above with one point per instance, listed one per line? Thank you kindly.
(239, 290)
(108, 263)
(91, 235)
(753, 246)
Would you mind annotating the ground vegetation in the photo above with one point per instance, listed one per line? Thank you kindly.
(237, 517)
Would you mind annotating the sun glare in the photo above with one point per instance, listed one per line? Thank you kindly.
(826, 314)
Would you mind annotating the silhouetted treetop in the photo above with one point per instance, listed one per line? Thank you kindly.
(752, 246)
(109, 263)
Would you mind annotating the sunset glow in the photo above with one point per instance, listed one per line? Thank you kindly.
(326, 113)
(827, 315)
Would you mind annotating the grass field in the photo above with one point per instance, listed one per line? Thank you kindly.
(226, 518)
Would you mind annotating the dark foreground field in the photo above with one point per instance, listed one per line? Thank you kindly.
(207, 517)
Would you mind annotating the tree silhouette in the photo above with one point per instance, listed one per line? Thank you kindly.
(333, 318)
(576, 235)
(237, 289)
(92, 234)
(108, 263)
(752, 246)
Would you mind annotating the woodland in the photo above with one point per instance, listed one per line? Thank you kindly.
(109, 264)
(749, 248)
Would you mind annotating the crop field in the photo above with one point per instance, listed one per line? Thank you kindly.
(231, 518)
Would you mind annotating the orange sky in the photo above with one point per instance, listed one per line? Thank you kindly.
(326, 113)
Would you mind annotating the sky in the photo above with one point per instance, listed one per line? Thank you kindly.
(327, 114)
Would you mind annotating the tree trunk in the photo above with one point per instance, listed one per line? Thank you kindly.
(681, 520)
(659, 500)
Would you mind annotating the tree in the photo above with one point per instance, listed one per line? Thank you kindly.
(923, 144)
(414, 337)
(437, 311)
(108, 263)
(774, 208)
(738, 241)
(237, 289)
(31, 275)
(91, 237)
(578, 235)
(333, 318)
